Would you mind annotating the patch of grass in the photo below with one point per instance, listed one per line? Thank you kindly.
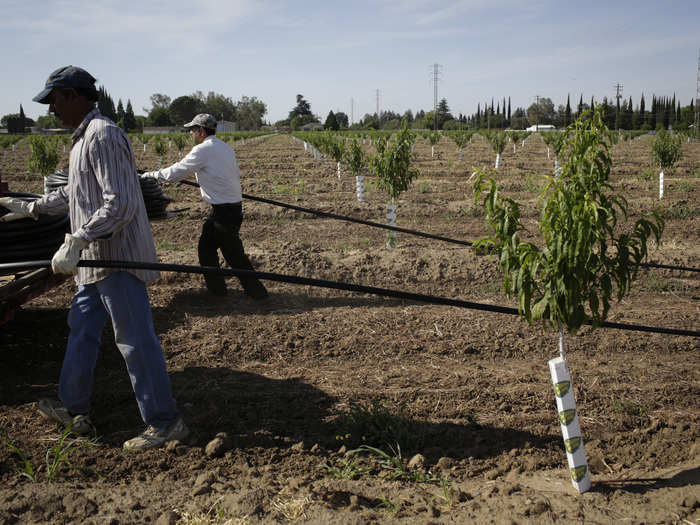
(393, 508)
(686, 186)
(298, 188)
(449, 494)
(394, 466)
(659, 284)
(648, 174)
(631, 408)
(167, 245)
(471, 211)
(346, 468)
(533, 183)
(424, 187)
(679, 212)
(57, 457)
(25, 467)
(380, 424)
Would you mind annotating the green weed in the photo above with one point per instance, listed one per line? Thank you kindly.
(631, 408)
(345, 469)
(393, 508)
(25, 468)
(167, 245)
(377, 425)
(393, 465)
(57, 457)
(648, 174)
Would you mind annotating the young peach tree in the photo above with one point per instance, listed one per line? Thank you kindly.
(392, 165)
(584, 261)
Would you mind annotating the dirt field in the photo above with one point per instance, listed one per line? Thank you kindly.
(276, 392)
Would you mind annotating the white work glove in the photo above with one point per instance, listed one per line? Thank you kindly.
(149, 175)
(65, 260)
(19, 209)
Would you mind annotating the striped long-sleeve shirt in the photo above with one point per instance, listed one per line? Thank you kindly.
(104, 200)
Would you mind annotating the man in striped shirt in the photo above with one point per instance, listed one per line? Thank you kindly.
(108, 222)
(213, 163)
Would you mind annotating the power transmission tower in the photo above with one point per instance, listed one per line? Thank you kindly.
(436, 71)
(618, 96)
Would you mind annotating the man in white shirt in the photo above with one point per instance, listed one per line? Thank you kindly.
(214, 166)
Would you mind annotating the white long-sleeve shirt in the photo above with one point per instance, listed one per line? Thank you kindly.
(104, 200)
(213, 163)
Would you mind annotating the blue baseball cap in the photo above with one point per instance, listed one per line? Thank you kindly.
(65, 77)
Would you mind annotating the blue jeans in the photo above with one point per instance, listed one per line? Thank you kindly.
(123, 298)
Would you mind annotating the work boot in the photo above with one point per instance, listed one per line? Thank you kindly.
(155, 438)
(78, 424)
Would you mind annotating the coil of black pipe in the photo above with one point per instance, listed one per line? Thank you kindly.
(156, 201)
(27, 238)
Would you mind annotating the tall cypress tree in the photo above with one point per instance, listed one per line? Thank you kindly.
(129, 117)
(509, 111)
(592, 106)
(22, 120)
(580, 106)
(567, 115)
(120, 112)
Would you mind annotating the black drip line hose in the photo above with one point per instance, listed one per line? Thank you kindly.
(404, 230)
(322, 283)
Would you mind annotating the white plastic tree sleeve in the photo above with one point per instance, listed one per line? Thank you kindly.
(570, 428)
(360, 188)
(661, 185)
(498, 160)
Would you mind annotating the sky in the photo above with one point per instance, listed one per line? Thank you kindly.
(344, 55)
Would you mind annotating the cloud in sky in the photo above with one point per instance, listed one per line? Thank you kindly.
(333, 52)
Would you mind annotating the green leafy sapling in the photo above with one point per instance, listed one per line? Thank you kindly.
(584, 262)
(392, 165)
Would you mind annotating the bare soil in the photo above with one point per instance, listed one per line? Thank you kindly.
(276, 392)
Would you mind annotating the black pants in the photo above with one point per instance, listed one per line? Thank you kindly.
(220, 232)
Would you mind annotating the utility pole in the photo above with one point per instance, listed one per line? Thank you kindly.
(436, 78)
(352, 111)
(618, 96)
(537, 112)
(377, 95)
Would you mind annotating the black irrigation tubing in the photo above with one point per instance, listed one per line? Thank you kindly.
(343, 217)
(322, 283)
(404, 230)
